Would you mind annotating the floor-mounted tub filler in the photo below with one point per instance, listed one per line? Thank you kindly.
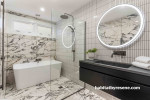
(29, 74)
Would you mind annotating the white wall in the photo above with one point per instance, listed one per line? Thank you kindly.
(98, 8)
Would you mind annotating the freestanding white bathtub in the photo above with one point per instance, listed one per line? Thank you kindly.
(33, 73)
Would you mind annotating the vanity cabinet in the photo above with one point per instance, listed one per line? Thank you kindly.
(100, 78)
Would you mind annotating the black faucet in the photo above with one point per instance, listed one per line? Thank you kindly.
(38, 60)
(26, 61)
(121, 53)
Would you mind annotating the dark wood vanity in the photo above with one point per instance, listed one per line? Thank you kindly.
(107, 73)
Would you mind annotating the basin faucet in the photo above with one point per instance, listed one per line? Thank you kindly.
(121, 53)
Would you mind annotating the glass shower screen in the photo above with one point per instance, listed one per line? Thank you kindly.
(37, 64)
(70, 48)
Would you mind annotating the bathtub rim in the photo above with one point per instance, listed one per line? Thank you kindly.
(22, 66)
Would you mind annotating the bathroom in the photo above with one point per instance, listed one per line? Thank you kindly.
(67, 49)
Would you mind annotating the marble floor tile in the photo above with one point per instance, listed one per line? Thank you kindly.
(61, 88)
(53, 90)
(85, 95)
(31, 92)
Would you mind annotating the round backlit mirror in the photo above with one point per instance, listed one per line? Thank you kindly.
(120, 26)
(68, 36)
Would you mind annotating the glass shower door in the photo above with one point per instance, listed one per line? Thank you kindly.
(33, 40)
(70, 48)
(27, 52)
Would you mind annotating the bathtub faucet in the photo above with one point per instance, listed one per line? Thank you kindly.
(26, 61)
(38, 60)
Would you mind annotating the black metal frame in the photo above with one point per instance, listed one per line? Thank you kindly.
(3, 56)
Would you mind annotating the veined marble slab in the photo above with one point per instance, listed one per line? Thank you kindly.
(53, 90)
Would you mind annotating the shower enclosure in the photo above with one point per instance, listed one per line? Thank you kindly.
(69, 34)
(70, 48)
(42, 55)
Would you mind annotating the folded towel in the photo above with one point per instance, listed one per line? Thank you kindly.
(143, 59)
(141, 65)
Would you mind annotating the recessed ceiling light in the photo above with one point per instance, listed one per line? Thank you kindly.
(42, 9)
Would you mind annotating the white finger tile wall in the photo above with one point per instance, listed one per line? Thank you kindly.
(70, 68)
(98, 8)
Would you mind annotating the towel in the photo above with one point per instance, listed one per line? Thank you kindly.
(143, 59)
(141, 65)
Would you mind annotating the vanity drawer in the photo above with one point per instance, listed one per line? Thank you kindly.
(142, 94)
(91, 77)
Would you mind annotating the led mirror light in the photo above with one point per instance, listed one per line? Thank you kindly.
(115, 11)
(72, 38)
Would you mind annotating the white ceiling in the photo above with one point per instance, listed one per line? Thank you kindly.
(32, 7)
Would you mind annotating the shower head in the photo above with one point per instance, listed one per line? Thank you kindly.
(64, 16)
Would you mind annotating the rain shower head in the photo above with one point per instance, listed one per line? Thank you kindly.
(64, 16)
